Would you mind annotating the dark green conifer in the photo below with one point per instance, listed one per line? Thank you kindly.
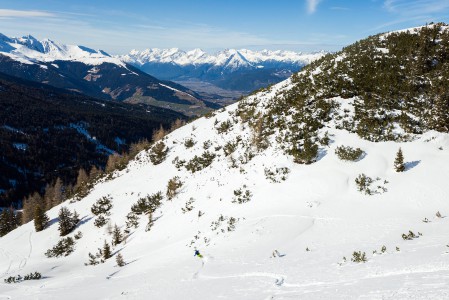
(399, 165)
(40, 219)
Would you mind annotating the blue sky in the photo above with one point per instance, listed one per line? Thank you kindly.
(300, 25)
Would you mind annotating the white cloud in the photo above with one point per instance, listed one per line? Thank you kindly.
(312, 5)
(11, 13)
(415, 7)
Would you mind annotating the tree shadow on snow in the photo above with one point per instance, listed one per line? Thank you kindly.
(410, 165)
(83, 221)
(364, 154)
(321, 154)
(53, 221)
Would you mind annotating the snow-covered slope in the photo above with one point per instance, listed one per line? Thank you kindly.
(267, 227)
(317, 207)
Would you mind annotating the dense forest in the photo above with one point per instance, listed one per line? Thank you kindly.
(47, 133)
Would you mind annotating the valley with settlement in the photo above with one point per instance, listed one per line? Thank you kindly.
(237, 174)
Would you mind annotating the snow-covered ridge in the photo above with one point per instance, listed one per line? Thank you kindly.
(198, 56)
(29, 50)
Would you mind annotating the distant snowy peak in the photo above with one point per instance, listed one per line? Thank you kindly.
(28, 49)
(225, 58)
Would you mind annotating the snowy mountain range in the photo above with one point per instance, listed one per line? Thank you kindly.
(94, 73)
(225, 69)
(230, 59)
(295, 192)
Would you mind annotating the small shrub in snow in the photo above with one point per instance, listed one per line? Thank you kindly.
(207, 144)
(102, 206)
(409, 236)
(173, 187)
(33, 276)
(363, 183)
(325, 140)
(242, 195)
(117, 236)
(277, 175)
(230, 147)
(132, 220)
(399, 165)
(188, 207)
(231, 223)
(178, 162)
(93, 260)
(200, 162)
(146, 205)
(259, 137)
(189, 143)
(119, 260)
(246, 157)
(158, 153)
(78, 235)
(100, 221)
(64, 247)
(106, 251)
(348, 153)
(18, 278)
(358, 257)
(306, 154)
(224, 127)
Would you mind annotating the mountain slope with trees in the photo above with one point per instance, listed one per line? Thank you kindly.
(280, 194)
(48, 133)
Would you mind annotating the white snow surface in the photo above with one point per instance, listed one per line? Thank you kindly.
(198, 56)
(29, 50)
(316, 207)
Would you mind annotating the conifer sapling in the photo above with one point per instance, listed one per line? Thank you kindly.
(399, 165)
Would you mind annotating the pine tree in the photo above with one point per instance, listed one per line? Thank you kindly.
(29, 205)
(58, 192)
(119, 260)
(158, 134)
(48, 196)
(82, 181)
(117, 236)
(67, 221)
(102, 206)
(307, 154)
(158, 153)
(399, 165)
(94, 174)
(113, 162)
(92, 260)
(106, 251)
(40, 219)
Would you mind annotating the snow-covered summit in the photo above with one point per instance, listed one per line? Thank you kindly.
(198, 56)
(28, 49)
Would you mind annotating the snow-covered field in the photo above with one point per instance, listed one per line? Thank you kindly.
(317, 208)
